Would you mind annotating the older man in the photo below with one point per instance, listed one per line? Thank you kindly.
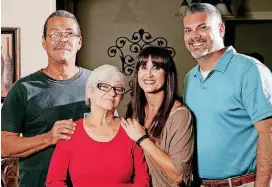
(230, 95)
(43, 105)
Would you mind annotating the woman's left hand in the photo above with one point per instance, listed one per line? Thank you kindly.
(133, 129)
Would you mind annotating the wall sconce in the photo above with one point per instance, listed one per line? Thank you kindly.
(222, 8)
(183, 6)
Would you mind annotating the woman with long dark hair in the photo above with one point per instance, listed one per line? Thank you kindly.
(158, 121)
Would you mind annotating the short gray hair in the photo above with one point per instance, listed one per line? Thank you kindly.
(202, 7)
(104, 73)
(61, 13)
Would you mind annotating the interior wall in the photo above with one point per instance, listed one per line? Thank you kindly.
(103, 21)
(260, 5)
(29, 16)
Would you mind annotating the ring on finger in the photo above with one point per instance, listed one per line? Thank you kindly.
(124, 123)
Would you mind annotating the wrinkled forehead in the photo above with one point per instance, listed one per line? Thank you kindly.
(112, 78)
(198, 18)
(61, 23)
(115, 81)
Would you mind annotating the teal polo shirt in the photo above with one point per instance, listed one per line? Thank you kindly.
(235, 95)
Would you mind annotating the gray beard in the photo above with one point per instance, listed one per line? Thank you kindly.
(200, 55)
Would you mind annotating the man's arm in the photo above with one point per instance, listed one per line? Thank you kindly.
(12, 145)
(256, 95)
(264, 153)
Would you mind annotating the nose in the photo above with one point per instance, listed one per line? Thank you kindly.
(63, 37)
(112, 92)
(194, 34)
(149, 73)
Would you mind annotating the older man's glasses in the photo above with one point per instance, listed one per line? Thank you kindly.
(55, 36)
(106, 87)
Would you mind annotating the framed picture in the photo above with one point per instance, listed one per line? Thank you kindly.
(10, 59)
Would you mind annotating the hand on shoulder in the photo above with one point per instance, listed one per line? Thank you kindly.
(176, 105)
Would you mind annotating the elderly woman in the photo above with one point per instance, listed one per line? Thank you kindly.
(99, 152)
(159, 122)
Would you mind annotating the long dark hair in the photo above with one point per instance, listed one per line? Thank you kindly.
(163, 57)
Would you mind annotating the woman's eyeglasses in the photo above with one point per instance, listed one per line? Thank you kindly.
(106, 87)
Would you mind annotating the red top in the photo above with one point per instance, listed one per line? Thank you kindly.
(119, 162)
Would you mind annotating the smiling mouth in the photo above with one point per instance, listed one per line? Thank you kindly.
(197, 44)
(109, 101)
(149, 82)
(112, 100)
(62, 49)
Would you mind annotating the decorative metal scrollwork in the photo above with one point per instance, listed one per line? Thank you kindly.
(138, 41)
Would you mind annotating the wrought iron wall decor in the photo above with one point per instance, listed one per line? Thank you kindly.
(138, 41)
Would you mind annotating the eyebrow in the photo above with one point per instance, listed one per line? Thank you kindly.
(57, 29)
(197, 26)
(159, 64)
(201, 25)
(69, 29)
(117, 85)
(53, 29)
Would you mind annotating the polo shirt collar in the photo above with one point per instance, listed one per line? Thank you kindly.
(223, 62)
(196, 70)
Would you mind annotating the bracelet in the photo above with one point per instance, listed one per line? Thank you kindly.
(141, 139)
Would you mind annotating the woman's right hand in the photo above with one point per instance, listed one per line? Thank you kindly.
(133, 128)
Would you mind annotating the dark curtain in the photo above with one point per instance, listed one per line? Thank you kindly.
(68, 5)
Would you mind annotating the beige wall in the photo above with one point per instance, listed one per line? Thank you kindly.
(260, 5)
(30, 16)
(103, 21)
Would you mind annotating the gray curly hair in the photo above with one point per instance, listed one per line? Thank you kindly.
(104, 73)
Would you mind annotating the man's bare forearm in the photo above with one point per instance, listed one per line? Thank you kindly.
(16, 146)
(30, 151)
(264, 161)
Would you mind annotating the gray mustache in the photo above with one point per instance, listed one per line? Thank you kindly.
(196, 40)
(62, 47)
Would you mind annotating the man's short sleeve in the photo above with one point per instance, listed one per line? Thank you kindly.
(255, 96)
(13, 111)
